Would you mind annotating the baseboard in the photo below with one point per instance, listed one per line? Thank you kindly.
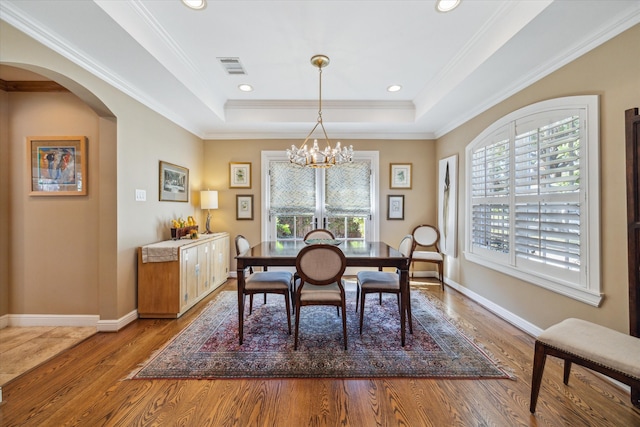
(516, 321)
(76, 320)
(499, 311)
(117, 324)
(26, 320)
(4, 321)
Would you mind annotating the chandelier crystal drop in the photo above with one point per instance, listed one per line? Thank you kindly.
(316, 157)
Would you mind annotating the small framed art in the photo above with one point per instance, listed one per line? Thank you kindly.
(239, 175)
(58, 165)
(400, 175)
(244, 207)
(174, 183)
(395, 207)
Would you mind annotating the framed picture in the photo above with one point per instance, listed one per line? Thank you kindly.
(395, 207)
(244, 207)
(239, 175)
(400, 175)
(174, 183)
(58, 165)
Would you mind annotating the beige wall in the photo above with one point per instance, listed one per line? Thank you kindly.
(419, 201)
(4, 204)
(611, 71)
(126, 143)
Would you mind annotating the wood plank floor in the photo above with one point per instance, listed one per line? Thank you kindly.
(86, 386)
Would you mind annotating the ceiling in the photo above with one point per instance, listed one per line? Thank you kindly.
(452, 66)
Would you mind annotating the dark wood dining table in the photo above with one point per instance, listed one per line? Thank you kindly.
(357, 253)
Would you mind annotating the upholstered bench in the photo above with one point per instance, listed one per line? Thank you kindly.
(596, 347)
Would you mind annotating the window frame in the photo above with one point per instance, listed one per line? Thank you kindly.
(587, 288)
(372, 232)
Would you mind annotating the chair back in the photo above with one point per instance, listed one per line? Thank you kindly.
(319, 233)
(242, 244)
(426, 235)
(321, 264)
(406, 246)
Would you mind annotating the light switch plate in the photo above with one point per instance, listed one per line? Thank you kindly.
(141, 195)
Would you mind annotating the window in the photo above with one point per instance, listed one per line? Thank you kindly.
(341, 199)
(533, 197)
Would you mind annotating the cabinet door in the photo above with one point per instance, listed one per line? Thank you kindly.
(202, 269)
(190, 270)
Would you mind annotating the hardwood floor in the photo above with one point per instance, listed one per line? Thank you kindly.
(23, 348)
(86, 386)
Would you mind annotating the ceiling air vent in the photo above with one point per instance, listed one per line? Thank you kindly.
(232, 66)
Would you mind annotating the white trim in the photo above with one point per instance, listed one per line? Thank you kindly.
(74, 320)
(116, 325)
(26, 320)
(4, 321)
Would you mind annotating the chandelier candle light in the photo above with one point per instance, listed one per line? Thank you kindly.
(315, 157)
(208, 201)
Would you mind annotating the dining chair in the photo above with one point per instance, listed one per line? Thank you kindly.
(319, 233)
(265, 282)
(384, 282)
(320, 268)
(428, 238)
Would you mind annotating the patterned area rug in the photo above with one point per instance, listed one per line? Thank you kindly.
(208, 347)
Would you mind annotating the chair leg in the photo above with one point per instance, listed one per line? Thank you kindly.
(295, 335)
(344, 323)
(265, 298)
(539, 358)
(358, 290)
(250, 303)
(286, 301)
(362, 311)
(567, 372)
(380, 298)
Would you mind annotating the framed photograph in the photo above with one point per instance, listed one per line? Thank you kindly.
(244, 207)
(395, 207)
(400, 175)
(58, 165)
(174, 183)
(239, 175)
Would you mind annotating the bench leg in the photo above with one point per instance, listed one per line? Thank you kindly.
(635, 396)
(567, 371)
(539, 358)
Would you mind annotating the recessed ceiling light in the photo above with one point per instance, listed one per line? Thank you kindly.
(394, 88)
(446, 5)
(195, 4)
(245, 87)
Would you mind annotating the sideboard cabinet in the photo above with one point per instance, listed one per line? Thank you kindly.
(174, 275)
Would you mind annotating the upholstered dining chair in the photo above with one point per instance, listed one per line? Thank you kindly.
(320, 268)
(428, 238)
(383, 282)
(319, 233)
(265, 282)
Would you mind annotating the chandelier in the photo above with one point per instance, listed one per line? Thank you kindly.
(316, 157)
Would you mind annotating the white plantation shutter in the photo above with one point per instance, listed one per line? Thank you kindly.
(547, 185)
(528, 211)
(490, 193)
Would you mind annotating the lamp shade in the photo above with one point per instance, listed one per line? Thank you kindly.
(209, 199)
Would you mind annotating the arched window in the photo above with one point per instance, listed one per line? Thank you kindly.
(533, 196)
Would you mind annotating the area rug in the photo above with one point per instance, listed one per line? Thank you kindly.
(208, 348)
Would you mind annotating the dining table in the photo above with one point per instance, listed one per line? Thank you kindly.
(358, 253)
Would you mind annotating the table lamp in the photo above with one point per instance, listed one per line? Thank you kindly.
(208, 201)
